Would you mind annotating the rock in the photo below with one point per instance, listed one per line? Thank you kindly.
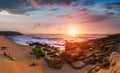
(33, 64)
(105, 64)
(31, 53)
(10, 56)
(80, 58)
(90, 60)
(99, 57)
(48, 49)
(51, 52)
(6, 54)
(89, 54)
(70, 57)
(114, 64)
(56, 63)
(78, 64)
(58, 49)
(3, 48)
(98, 54)
(94, 69)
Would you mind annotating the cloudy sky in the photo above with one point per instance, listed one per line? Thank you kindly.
(58, 16)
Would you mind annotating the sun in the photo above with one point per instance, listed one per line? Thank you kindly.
(73, 31)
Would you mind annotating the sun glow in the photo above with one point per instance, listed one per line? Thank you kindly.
(73, 31)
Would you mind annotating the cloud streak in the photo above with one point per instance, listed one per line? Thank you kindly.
(46, 2)
(89, 18)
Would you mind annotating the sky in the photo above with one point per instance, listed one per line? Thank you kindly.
(60, 16)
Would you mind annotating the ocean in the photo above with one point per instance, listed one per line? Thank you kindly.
(53, 39)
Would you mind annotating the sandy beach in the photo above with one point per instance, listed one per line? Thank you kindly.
(24, 59)
(59, 36)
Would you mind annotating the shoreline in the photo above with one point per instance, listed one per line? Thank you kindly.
(24, 59)
(79, 57)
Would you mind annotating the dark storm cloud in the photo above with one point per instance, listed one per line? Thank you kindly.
(62, 2)
(23, 6)
(113, 6)
(11, 4)
(14, 6)
(113, 3)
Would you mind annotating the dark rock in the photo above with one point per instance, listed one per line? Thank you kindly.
(31, 53)
(6, 54)
(9, 33)
(94, 69)
(105, 64)
(56, 63)
(80, 57)
(90, 60)
(69, 56)
(33, 64)
(77, 64)
(3, 48)
(58, 49)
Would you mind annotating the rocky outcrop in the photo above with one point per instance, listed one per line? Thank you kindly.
(10, 33)
(114, 64)
(80, 54)
(95, 52)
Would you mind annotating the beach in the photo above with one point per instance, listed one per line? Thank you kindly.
(23, 60)
(93, 56)
(59, 36)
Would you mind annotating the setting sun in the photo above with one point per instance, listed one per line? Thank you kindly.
(73, 31)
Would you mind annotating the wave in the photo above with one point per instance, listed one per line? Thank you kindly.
(51, 39)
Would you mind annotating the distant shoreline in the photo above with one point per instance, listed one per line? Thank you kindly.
(10, 33)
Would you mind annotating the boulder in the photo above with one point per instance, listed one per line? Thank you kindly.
(56, 63)
(33, 64)
(77, 64)
(3, 48)
(114, 64)
(70, 55)
(90, 60)
(94, 69)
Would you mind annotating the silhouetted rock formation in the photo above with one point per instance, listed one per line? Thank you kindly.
(9, 33)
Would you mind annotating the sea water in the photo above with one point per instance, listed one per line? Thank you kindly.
(53, 39)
